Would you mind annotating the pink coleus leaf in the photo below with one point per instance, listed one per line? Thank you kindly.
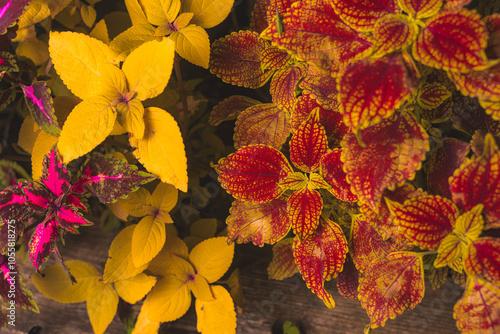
(43, 242)
(11, 282)
(55, 175)
(39, 101)
(13, 204)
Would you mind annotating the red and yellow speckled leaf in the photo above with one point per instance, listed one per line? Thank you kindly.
(331, 168)
(439, 114)
(449, 4)
(294, 181)
(236, 59)
(432, 95)
(258, 21)
(331, 120)
(371, 89)
(477, 310)
(421, 9)
(482, 258)
(393, 153)
(321, 87)
(391, 286)
(283, 264)
(304, 208)
(314, 33)
(320, 257)
(467, 115)
(262, 124)
(348, 280)
(393, 32)
(478, 181)
(452, 40)
(367, 246)
(284, 83)
(426, 220)
(229, 108)
(362, 15)
(259, 223)
(309, 144)
(491, 108)
(273, 58)
(444, 160)
(253, 173)
(492, 23)
(437, 277)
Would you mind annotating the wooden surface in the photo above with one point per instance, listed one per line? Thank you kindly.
(267, 303)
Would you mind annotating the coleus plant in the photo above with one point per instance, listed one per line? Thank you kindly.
(368, 90)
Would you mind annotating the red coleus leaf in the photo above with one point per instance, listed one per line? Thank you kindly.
(283, 264)
(7, 63)
(425, 220)
(478, 181)
(258, 21)
(321, 87)
(367, 246)
(362, 15)
(391, 286)
(39, 101)
(262, 124)
(421, 9)
(253, 173)
(444, 160)
(284, 83)
(331, 120)
(331, 168)
(393, 32)
(229, 108)
(477, 310)
(452, 40)
(348, 280)
(13, 204)
(320, 257)
(259, 223)
(314, 33)
(432, 95)
(482, 258)
(371, 89)
(304, 208)
(109, 179)
(11, 283)
(309, 144)
(10, 11)
(273, 58)
(392, 154)
(236, 59)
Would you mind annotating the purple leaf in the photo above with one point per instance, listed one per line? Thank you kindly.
(13, 204)
(23, 295)
(39, 103)
(10, 11)
(7, 96)
(7, 63)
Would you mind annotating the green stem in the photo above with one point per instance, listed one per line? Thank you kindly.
(430, 252)
(182, 91)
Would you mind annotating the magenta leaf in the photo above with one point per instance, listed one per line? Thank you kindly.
(10, 11)
(55, 175)
(13, 205)
(12, 282)
(39, 103)
(43, 242)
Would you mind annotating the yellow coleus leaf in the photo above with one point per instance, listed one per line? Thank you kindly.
(192, 43)
(160, 12)
(90, 122)
(79, 60)
(129, 40)
(148, 68)
(217, 316)
(28, 134)
(102, 304)
(88, 15)
(169, 300)
(100, 32)
(161, 150)
(130, 117)
(37, 51)
(43, 144)
(174, 247)
(119, 265)
(143, 325)
(183, 20)
(135, 288)
(113, 83)
(135, 203)
(212, 258)
(37, 11)
(200, 288)
(207, 13)
(56, 6)
(147, 240)
(53, 283)
(136, 12)
(204, 228)
(163, 200)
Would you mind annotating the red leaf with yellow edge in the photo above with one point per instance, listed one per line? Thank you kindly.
(253, 173)
(283, 264)
(284, 83)
(426, 220)
(371, 89)
(314, 33)
(392, 285)
(421, 9)
(230, 108)
(331, 169)
(432, 95)
(444, 160)
(456, 3)
(236, 59)
(393, 32)
(259, 223)
(452, 40)
(309, 144)
(321, 87)
(362, 15)
(320, 257)
(483, 84)
(392, 154)
(348, 280)
(477, 310)
(258, 21)
(273, 58)
(367, 246)
(491, 108)
(304, 208)
(478, 181)
(262, 124)
(482, 258)
(331, 120)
